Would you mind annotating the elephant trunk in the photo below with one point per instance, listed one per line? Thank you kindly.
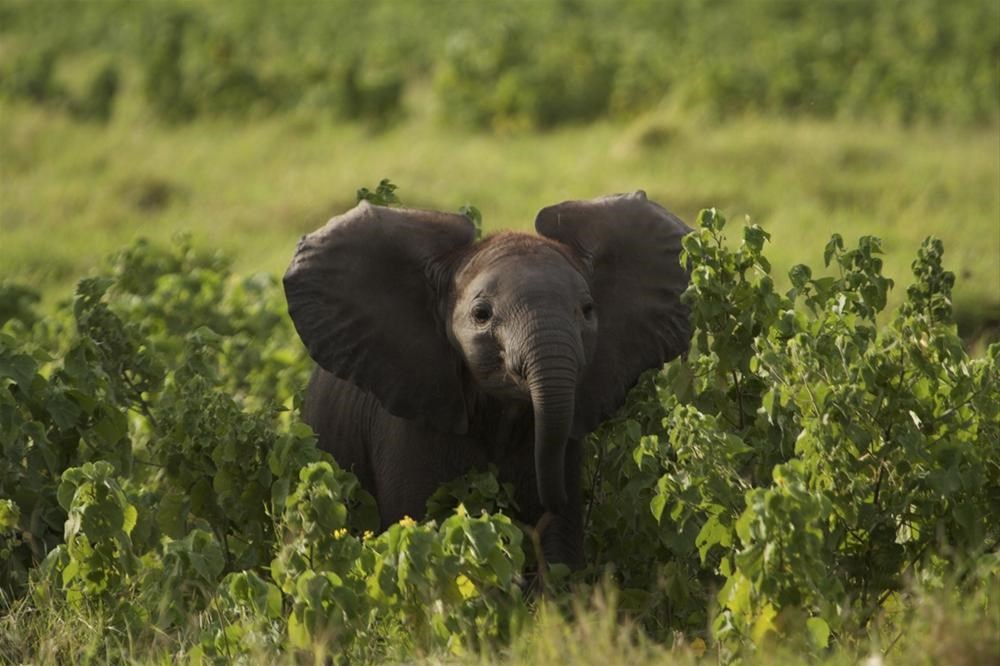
(551, 374)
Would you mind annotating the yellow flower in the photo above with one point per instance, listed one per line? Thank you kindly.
(340, 534)
(368, 534)
(406, 521)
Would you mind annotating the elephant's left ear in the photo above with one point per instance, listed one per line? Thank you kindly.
(632, 247)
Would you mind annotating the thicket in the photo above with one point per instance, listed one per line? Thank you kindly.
(798, 478)
(513, 65)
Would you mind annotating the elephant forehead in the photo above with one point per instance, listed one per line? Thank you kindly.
(518, 262)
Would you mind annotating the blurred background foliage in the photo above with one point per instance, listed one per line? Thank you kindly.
(251, 122)
(519, 63)
(515, 64)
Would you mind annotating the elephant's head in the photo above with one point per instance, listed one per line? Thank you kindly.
(405, 304)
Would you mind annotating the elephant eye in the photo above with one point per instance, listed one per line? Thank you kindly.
(588, 310)
(482, 312)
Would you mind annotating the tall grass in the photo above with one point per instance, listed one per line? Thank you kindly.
(937, 629)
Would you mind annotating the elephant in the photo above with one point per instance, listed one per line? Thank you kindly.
(440, 354)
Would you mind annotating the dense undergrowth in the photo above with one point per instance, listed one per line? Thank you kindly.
(511, 65)
(807, 482)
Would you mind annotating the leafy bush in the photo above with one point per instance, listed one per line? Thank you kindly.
(149, 474)
(510, 80)
(33, 78)
(98, 101)
(164, 83)
(803, 460)
(802, 478)
(17, 302)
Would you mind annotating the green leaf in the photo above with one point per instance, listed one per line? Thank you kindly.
(201, 550)
(130, 516)
(298, 632)
(273, 602)
(799, 275)
(501, 567)
(111, 427)
(712, 533)
(763, 626)
(384, 194)
(711, 219)
(171, 514)
(19, 367)
(475, 216)
(70, 571)
(735, 594)
(755, 237)
(835, 245)
(659, 501)
(65, 413)
(10, 514)
(819, 632)
(103, 517)
(67, 488)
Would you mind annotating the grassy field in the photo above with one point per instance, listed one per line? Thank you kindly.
(72, 193)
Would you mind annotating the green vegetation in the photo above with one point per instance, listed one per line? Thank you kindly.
(804, 479)
(817, 481)
(230, 123)
(73, 193)
(518, 64)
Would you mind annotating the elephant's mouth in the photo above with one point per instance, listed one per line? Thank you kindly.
(507, 385)
(515, 379)
(501, 379)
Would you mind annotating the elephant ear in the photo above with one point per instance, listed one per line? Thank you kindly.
(632, 247)
(364, 291)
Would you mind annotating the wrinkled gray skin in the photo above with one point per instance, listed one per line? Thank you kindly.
(439, 355)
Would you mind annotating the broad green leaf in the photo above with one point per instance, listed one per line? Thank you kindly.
(465, 587)
(111, 427)
(64, 411)
(482, 536)
(501, 567)
(21, 368)
(819, 632)
(763, 625)
(171, 514)
(298, 632)
(658, 504)
(130, 516)
(712, 533)
(799, 275)
(70, 571)
(735, 594)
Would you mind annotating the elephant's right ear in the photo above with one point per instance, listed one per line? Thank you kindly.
(632, 247)
(364, 293)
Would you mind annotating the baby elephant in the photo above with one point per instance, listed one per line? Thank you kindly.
(439, 354)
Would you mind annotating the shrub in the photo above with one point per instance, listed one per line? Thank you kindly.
(804, 460)
(809, 472)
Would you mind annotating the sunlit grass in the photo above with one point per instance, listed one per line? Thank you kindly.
(71, 193)
(935, 628)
